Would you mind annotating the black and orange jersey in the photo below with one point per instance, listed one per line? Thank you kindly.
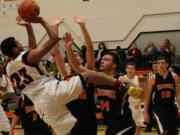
(83, 108)
(29, 118)
(113, 103)
(164, 89)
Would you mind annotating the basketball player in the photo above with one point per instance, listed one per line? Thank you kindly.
(134, 104)
(164, 88)
(117, 114)
(6, 91)
(30, 120)
(84, 107)
(49, 95)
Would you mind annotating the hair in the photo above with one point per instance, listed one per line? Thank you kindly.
(114, 55)
(102, 43)
(118, 48)
(80, 53)
(162, 58)
(131, 64)
(7, 46)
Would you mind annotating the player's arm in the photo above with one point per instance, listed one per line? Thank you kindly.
(176, 78)
(90, 58)
(7, 96)
(35, 55)
(74, 63)
(147, 98)
(16, 118)
(31, 37)
(58, 57)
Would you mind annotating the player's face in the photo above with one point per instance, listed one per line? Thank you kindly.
(154, 67)
(106, 63)
(162, 65)
(19, 46)
(130, 69)
(78, 57)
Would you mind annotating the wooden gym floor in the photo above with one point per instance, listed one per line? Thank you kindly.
(19, 131)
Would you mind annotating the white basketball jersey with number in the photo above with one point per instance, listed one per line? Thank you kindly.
(28, 79)
(48, 94)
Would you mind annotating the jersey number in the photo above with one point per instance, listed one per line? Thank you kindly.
(104, 105)
(165, 94)
(16, 78)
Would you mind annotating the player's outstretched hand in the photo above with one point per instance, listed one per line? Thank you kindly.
(21, 22)
(68, 40)
(56, 21)
(79, 19)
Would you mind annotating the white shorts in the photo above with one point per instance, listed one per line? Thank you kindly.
(136, 113)
(4, 122)
(51, 103)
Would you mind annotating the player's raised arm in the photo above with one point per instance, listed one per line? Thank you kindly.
(90, 59)
(74, 63)
(31, 37)
(58, 57)
(35, 55)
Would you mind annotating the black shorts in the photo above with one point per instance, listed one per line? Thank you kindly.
(85, 127)
(166, 119)
(121, 127)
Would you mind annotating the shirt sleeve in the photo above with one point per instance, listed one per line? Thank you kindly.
(9, 87)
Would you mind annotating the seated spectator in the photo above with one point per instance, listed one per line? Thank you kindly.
(149, 52)
(134, 55)
(175, 59)
(163, 52)
(167, 44)
(53, 69)
(99, 53)
(122, 60)
(101, 48)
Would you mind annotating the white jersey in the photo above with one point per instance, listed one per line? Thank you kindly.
(28, 79)
(5, 87)
(136, 113)
(49, 95)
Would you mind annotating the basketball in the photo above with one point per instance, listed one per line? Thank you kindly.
(28, 9)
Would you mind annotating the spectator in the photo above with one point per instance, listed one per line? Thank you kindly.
(167, 44)
(53, 69)
(134, 55)
(101, 48)
(163, 52)
(122, 59)
(31, 122)
(149, 53)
